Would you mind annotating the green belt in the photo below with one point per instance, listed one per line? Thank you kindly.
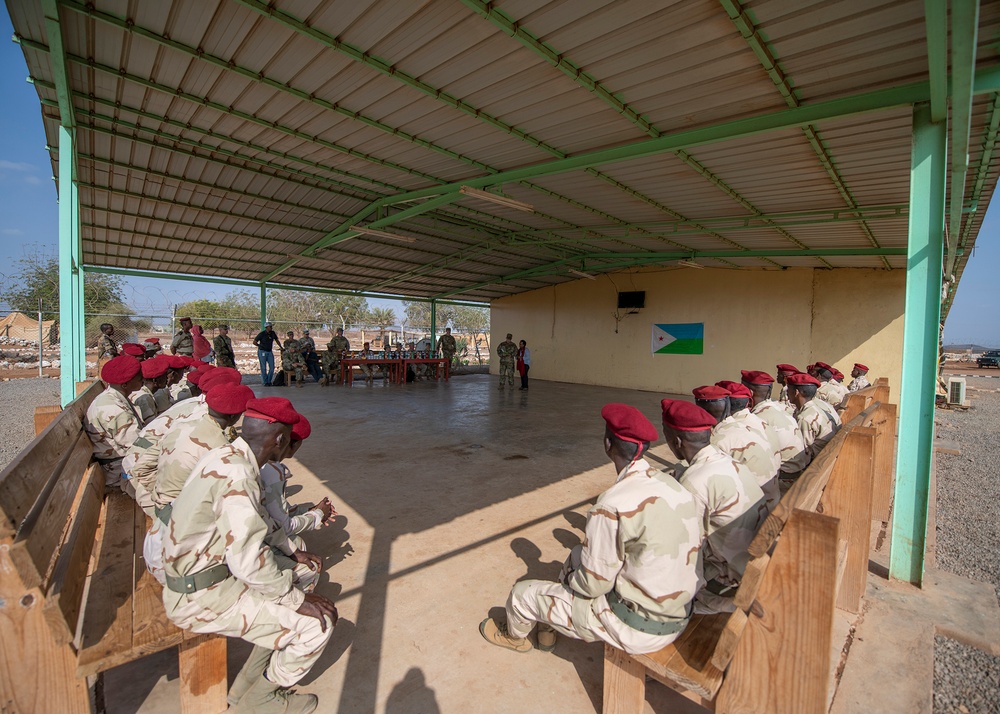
(164, 514)
(187, 584)
(717, 588)
(640, 623)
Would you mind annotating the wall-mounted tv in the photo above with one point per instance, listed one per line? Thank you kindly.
(632, 300)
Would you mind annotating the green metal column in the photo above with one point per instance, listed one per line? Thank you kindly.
(72, 341)
(263, 304)
(925, 254)
(434, 315)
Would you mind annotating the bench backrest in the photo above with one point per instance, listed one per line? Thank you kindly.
(50, 500)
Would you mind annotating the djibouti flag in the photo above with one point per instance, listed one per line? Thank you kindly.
(683, 339)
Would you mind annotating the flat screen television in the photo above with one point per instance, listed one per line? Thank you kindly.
(632, 300)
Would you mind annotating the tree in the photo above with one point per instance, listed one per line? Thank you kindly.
(207, 313)
(382, 317)
(474, 321)
(296, 309)
(36, 278)
(418, 314)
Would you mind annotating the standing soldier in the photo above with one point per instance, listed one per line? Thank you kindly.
(446, 344)
(336, 349)
(818, 420)
(112, 422)
(107, 348)
(223, 579)
(291, 359)
(223, 346)
(183, 342)
(632, 581)
(507, 351)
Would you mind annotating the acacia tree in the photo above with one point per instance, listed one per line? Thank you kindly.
(474, 321)
(418, 314)
(36, 278)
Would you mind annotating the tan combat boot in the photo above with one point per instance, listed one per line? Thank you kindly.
(266, 697)
(252, 669)
(496, 634)
(546, 638)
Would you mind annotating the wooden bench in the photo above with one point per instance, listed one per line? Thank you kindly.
(773, 654)
(75, 596)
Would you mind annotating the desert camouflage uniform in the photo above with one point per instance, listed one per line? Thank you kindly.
(783, 399)
(163, 400)
(642, 542)
(743, 436)
(367, 370)
(144, 403)
(176, 389)
(224, 355)
(507, 352)
(291, 359)
(832, 392)
(783, 431)
(112, 425)
(818, 422)
(285, 528)
(731, 506)
(448, 347)
(218, 519)
(184, 343)
(858, 383)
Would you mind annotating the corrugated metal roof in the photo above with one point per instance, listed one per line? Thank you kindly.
(229, 137)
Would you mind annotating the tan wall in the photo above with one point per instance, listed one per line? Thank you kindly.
(753, 320)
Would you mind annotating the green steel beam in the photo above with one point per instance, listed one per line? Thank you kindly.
(433, 325)
(57, 61)
(263, 304)
(920, 347)
(964, 34)
(72, 354)
(936, 27)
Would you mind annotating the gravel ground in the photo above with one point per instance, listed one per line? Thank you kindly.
(967, 680)
(18, 399)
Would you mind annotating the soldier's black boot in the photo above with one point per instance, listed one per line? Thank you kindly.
(252, 669)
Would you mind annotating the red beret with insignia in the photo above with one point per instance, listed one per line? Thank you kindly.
(153, 368)
(627, 423)
(302, 429)
(121, 369)
(229, 398)
(709, 392)
(134, 349)
(755, 377)
(859, 366)
(800, 378)
(787, 368)
(685, 416)
(272, 409)
(735, 389)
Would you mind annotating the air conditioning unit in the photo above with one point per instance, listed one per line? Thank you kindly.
(956, 390)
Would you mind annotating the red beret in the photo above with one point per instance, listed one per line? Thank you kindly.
(754, 377)
(302, 429)
(229, 398)
(121, 369)
(628, 423)
(272, 409)
(153, 368)
(685, 416)
(823, 365)
(192, 362)
(151, 346)
(185, 319)
(787, 368)
(205, 367)
(195, 378)
(709, 393)
(177, 362)
(837, 374)
(220, 375)
(134, 349)
(155, 340)
(800, 378)
(858, 365)
(735, 389)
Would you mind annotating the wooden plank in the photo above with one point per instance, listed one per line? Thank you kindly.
(624, 682)
(45, 416)
(848, 497)
(107, 617)
(841, 561)
(856, 403)
(687, 661)
(729, 640)
(204, 680)
(96, 384)
(753, 576)
(36, 546)
(885, 461)
(64, 599)
(150, 624)
(782, 664)
(37, 676)
(807, 489)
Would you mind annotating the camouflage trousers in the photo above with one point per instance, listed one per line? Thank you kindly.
(141, 496)
(297, 640)
(226, 361)
(298, 367)
(506, 373)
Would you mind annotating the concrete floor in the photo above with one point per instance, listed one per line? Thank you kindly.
(448, 493)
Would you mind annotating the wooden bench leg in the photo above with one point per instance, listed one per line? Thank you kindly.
(204, 681)
(624, 683)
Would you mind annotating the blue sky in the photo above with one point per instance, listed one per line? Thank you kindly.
(29, 217)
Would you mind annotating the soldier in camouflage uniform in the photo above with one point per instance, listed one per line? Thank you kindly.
(860, 378)
(183, 342)
(731, 505)
(106, 346)
(818, 420)
(507, 351)
(830, 390)
(779, 425)
(743, 436)
(447, 346)
(222, 577)
(631, 583)
(223, 346)
(367, 370)
(112, 422)
(154, 378)
(336, 348)
(307, 347)
(291, 359)
(180, 450)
